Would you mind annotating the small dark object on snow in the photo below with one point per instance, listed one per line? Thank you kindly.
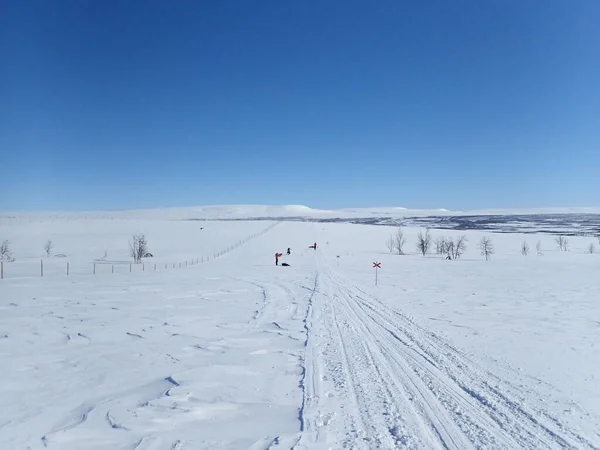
(285, 264)
(148, 255)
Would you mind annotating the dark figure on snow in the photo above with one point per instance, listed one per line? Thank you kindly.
(289, 251)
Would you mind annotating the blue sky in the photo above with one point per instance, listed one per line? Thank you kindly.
(461, 105)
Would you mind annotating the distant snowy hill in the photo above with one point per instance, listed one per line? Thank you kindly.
(216, 212)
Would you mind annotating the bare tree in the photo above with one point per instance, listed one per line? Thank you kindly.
(424, 242)
(48, 248)
(486, 247)
(440, 245)
(591, 248)
(538, 248)
(138, 247)
(5, 253)
(460, 246)
(449, 248)
(524, 248)
(400, 241)
(390, 243)
(453, 249)
(562, 242)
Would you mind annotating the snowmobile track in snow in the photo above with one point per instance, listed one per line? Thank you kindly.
(375, 379)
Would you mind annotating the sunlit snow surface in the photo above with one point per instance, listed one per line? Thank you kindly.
(235, 352)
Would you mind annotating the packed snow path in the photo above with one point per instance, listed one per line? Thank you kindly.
(375, 379)
(241, 354)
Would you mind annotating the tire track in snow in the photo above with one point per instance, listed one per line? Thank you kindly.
(362, 413)
(308, 389)
(458, 381)
(461, 403)
(412, 422)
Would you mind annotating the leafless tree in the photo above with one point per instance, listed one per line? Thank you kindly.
(453, 249)
(138, 247)
(400, 241)
(538, 248)
(48, 248)
(449, 248)
(486, 247)
(591, 248)
(5, 253)
(424, 242)
(562, 242)
(390, 243)
(440, 246)
(460, 246)
(524, 248)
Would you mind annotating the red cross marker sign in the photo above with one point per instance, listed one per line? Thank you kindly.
(376, 265)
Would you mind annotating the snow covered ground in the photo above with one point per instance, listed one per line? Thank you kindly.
(236, 353)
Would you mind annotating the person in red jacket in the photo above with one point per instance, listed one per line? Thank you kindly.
(277, 255)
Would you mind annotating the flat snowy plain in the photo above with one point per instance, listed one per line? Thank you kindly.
(236, 353)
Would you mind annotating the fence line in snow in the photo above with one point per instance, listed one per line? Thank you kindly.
(67, 268)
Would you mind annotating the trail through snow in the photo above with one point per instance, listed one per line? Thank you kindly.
(375, 379)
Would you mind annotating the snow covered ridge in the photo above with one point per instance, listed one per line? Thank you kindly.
(220, 212)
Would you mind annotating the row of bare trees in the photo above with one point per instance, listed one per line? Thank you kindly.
(6, 253)
(453, 249)
(138, 249)
(562, 243)
(396, 242)
(449, 248)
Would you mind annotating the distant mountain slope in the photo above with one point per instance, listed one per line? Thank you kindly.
(215, 212)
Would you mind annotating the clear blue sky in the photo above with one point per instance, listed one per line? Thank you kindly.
(456, 104)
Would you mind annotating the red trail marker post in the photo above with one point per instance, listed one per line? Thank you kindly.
(376, 266)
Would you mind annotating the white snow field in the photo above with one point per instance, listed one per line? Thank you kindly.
(237, 353)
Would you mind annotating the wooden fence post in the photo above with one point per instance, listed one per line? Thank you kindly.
(143, 267)
(67, 269)
(94, 268)
(42, 267)
(129, 267)
(2, 270)
(155, 267)
(112, 268)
